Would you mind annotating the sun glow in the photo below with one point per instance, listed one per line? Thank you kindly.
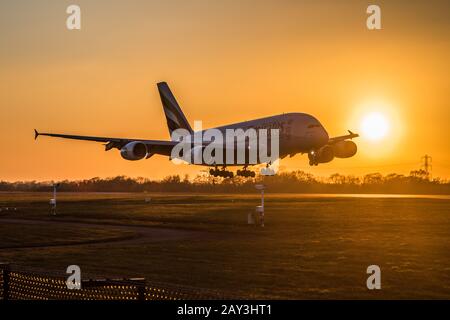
(381, 126)
(374, 126)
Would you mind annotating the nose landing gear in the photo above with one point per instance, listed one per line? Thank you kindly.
(312, 156)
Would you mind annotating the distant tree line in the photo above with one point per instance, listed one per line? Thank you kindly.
(417, 182)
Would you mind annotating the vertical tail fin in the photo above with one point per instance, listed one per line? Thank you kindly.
(174, 116)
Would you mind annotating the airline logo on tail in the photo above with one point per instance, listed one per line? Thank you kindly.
(174, 116)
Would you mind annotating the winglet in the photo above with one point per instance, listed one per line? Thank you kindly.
(353, 135)
(36, 134)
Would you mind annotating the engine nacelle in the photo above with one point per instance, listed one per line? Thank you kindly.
(323, 155)
(134, 151)
(345, 149)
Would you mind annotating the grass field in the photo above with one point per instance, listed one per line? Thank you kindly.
(311, 247)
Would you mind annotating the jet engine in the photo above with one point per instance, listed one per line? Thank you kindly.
(345, 149)
(323, 155)
(134, 151)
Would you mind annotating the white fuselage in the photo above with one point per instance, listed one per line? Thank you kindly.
(298, 133)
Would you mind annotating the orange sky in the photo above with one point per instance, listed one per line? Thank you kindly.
(226, 61)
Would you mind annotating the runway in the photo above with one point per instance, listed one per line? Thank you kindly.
(311, 247)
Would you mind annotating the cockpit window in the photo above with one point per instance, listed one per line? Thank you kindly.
(314, 126)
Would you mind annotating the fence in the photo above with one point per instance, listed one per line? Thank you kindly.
(18, 283)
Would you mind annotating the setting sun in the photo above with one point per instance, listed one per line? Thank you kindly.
(374, 126)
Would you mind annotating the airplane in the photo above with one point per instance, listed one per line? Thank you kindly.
(299, 133)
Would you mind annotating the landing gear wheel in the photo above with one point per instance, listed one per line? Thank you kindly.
(246, 173)
(221, 173)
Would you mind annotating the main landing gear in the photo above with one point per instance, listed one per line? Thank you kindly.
(221, 173)
(246, 173)
(228, 174)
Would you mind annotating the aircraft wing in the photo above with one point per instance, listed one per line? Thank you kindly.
(157, 146)
(350, 135)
